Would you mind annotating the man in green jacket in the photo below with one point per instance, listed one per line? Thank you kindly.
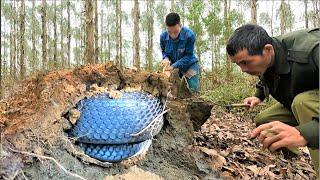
(288, 69)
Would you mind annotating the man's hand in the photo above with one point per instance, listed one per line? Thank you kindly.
(165, 62)
(252, 101)
(284, 136)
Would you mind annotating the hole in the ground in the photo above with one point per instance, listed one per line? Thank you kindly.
(117, 125)
(199, 112)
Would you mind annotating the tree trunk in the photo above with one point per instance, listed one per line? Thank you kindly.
(11, 46)
(282, 17)
(55, 35)
(118, 17)
(306, 12)
(49, 45)
(82, 35)
(120, 36)
(172, 6)
(33, 39)
(108, 35)
(101, 35)
(253, 4)
(44, 35)
(96, 52)
(136, 37)
(68, 33)
(89, 55)
(2, 58)
(15, 52)
(62, 60)
(212, 54)
(271, 19)
(21, 40)
(226, 35)
(216, 53)
(316, 17)
(150, 5)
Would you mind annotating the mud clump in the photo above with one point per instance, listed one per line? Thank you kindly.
(35, 119)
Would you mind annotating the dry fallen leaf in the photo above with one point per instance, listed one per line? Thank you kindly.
(74, 115)
(216, 161)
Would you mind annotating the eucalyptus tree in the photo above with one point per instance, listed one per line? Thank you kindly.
(68, 34)
(96, 35)
(150, 33)
(136, 36)
(44, 34)
(55, 35)
(118, 33)
(286, 17)
(214, 25)
(195, 19)
(160, 13)
(89, 50)
(22, 40)
(182, 4)
(306, 13)
(265, 19)
(253, 4)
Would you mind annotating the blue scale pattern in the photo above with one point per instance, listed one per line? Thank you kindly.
(112, 121)
(106, 125)
(114, 153)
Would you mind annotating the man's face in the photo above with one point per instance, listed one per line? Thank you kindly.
(174, 31)
(254, 65)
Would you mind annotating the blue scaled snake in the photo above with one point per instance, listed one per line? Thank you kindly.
(114, 129)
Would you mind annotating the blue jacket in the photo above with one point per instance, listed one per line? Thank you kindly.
(180, 51)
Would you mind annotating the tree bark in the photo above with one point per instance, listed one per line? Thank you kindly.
(21, 40)
(44, 35)
(15, 52)
(101, 35)
(108, 35)
(306, 12)
(96, 52)
(68, 33)
(316, 17)
(172, 6)
(253, 4)
(89, 54)
(62, 60)
(282, 17)
(55, 35)
(118, 38)
(33, 39)
(136, 37)
(150, 4)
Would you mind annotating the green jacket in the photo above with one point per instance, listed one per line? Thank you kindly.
(295, 70)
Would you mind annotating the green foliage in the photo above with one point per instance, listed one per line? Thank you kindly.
(213, 22)
(265, 18)
(161, 12)
(286, 12)
(224, 91)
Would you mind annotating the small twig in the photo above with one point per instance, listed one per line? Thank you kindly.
(50, 158)
(14, 175)
(242, 105)
(23, 174)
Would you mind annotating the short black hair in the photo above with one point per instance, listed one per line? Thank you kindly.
(251, 37)
(172, 19)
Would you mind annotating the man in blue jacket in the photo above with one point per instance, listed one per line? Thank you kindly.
(177, 45)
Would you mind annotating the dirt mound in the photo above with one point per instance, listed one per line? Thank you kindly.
(35, 119)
